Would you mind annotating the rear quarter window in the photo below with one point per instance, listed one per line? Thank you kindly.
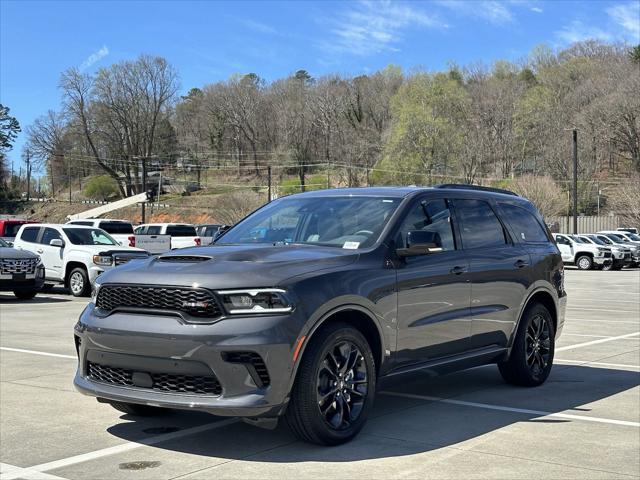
(181, 231)
(29, 234)
(524, 224)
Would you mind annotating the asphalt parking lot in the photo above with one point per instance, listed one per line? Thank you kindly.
(583, 423)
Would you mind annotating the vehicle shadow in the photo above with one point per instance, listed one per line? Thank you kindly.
(400, 425)
(40, 298)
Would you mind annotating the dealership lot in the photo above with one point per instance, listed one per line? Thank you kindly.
(583, 423)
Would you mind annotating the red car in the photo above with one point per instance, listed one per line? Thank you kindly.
(9, 228)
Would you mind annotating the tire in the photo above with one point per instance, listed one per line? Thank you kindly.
(318, 410)
(78, 282)
(25, 294)
(584, 262)
(607, 266)
(138, 410)
(527, 365)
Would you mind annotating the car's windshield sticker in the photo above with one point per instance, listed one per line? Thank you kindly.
(351, 245)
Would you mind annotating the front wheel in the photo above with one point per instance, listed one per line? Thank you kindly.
(25, 294)
(584, 262)
(531, 357)
(79, 282)
(334, 388)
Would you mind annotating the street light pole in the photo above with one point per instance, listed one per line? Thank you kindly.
(575, 181)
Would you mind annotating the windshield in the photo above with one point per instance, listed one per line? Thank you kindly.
(634, 237)
(615, 238)
(89, 236)
(342, 222)
(3, 243)
(578, 239)
(116, 227)
(597, 240)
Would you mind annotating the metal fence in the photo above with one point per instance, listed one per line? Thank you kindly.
(586, 224)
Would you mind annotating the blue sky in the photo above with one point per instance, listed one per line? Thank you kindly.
(209, 41)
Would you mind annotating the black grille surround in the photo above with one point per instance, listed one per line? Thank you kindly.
(195, 304)
(254, 363)
(162, 382)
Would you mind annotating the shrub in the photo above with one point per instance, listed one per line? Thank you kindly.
(101, 187)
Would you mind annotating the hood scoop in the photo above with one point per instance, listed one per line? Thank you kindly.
(184, 258)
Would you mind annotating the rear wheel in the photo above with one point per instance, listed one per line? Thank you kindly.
(532, 354)
(584, 262)
(138, 410)
(79, 282)
(25, 294)
(334, 388)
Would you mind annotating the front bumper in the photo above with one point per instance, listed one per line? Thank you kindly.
(602, 260)
(30, 282)
(152, 344)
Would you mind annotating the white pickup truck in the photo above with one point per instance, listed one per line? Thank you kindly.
(583, 255)
(182, 234)
(74, 255)
(122, 231)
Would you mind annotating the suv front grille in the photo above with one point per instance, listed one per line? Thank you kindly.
(18, 265)
(162, 382)
(191, 301)
(254, 363)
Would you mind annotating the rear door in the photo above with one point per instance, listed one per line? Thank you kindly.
(52, 257)
(499, 270)
(433, 290)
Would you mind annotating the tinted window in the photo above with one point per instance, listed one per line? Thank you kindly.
(433, 216)
(480, 228)
(86, 224)
(29, 234)
(181, 231)
(116, 227)
(562, 240)
(153, 230)
(525, 226)
(48, 235)
(11, 229)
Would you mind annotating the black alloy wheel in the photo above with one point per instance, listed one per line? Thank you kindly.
(538, 345)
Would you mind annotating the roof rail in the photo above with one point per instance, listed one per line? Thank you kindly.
(466, 186)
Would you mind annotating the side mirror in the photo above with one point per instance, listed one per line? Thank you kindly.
(56, 242)
(421, 243)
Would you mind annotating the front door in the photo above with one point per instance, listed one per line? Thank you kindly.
(566, 248)
(433, 290)
(51, 256)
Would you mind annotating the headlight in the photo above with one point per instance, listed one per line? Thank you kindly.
(104, 260)
(259, 300)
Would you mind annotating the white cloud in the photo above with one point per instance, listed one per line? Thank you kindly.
(370, 27)
(627, 15)
(493, 11)
(537, 9)
(94, 57)
(577, 31)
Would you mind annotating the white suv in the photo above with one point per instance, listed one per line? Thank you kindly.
(74, 255)
(182, 234)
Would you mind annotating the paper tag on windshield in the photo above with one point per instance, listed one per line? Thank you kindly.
(351, 245)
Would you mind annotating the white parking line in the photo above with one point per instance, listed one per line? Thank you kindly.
(35, 352)
(526, 411)
(11, 471)
(125, 447)
(599, 364)
(595, 342)
(602, 310)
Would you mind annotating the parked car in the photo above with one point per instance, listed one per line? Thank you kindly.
(182, 234)
(122, 231)
(74, 255)
(617, 239)
(626, 237)
(620, 255)
(628, 229)
(9, 227)
(346, 288)
(208, 232)
(585, 256)
(21, 272)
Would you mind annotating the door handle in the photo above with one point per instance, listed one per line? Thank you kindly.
(521, 263)
(39, 250)
(458, 270)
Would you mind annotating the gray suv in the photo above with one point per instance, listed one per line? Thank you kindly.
(306, 306)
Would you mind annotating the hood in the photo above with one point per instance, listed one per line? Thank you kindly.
(14, 253)
(233, 266)
(104, 249)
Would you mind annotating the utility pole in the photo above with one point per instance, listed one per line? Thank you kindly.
(28, 175)
(69, 179)
(144, 186)
(159, 188)
(269, 183)
(575, 181)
